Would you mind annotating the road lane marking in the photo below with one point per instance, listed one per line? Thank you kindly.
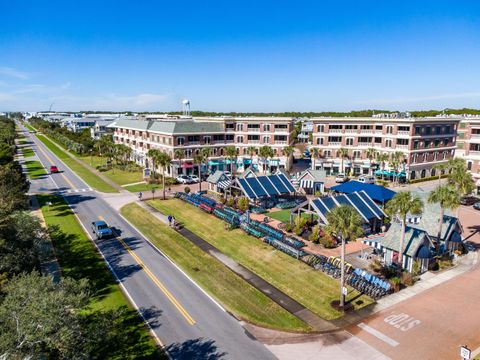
(53, 163)
(378, 334)
(155, 280)
(402, 321)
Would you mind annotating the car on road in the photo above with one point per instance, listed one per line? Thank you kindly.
(476, 206)
(367, 179)
(101, 230)
(53, 169)
(469, 200)
(341, 178)
(184, 179)
(194, 178)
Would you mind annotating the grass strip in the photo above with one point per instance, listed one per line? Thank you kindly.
(308, 286)
(27, 152)
(117, 174)
(142, 187)
(233, 292)
(89, 177)
(78, 258)
(35, 169)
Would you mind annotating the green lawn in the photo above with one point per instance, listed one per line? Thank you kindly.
(27, 152)
(284, 215)
(309, 287)
(29, 127)
(119, 176)
(35, 169)
(90, 178)
(233, 292)
(79, 259)
(142, 187)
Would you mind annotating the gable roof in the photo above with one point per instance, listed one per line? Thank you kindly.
(315, 175)
(216, 177)
(255, 187)
(376, 192)
(170, 126)
(414, 238)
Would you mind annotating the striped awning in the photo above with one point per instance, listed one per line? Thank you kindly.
(225, 184)
(373, 243)
(306, 184)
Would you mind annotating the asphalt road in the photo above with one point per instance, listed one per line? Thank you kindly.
(189, 323)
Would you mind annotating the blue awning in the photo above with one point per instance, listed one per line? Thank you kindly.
(247, 161)
(376, 192)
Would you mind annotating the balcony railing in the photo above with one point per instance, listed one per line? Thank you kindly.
(398, 146)
(335, 131)
(334, 143)
(401, 132)
(351, 131)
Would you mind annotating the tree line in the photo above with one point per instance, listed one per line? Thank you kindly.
(39, 317)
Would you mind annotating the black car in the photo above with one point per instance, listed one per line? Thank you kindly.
(476, 206)
(469, 200)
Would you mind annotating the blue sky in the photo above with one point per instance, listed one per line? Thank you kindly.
(239, 55)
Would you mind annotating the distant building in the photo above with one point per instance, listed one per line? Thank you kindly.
(468, 142)
(424, 143)
(306, 132)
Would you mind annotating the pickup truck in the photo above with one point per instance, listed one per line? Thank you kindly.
(101, 229)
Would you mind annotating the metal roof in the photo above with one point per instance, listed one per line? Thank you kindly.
(255, 187)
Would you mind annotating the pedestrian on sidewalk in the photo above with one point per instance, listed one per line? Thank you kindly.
(140, 195)
(170, 218)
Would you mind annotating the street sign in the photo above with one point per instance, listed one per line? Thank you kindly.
(146, 173)
(344, 291)
(465, 352)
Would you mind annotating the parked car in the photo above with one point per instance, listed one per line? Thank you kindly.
(367, 179)
(341, 178)
(194, 178)
(53, 169)
(307, 154)
(101, 229)
(476, 206)
(469, 200)
(184, 179)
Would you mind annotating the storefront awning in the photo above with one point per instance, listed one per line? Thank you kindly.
(306, 184)
(187, 165)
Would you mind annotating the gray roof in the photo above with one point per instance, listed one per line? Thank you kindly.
(316, 175)
(171, 126)
(216, 177)
(413, 239)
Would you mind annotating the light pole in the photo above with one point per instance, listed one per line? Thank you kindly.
(91, 157)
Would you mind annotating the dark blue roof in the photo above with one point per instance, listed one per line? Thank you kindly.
(376, 192)
(260, 186)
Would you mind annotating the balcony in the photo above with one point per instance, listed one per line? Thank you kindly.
(335, 131)
(365, 144)
(331, 143)
(351, 131)
(367, 131)
(403, 132)
(404, 147)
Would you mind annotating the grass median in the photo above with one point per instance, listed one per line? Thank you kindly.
(116, 174)
(234, 293)
(27, 152)
(35, 169)
(308, 286)
(78, 258)
(89, 177)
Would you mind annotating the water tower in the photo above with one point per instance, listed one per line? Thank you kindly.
(186, 107)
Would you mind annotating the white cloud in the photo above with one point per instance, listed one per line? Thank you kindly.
(11, 72)
(401, 100)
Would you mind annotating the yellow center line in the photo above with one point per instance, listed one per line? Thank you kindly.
(52, 163)
(155, 280)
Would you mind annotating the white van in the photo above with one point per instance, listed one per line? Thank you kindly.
(367, 179)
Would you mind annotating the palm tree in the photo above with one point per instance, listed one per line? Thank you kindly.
(288, 151)
(231, 154)
(206, 153)
(448, 198)
(345, 224)
(395, 159)
(154, 155)
(164, 161)
(180, 155)
(371, 154)
(265, 152)
(404, 203)
(251, 150)
(342, 153)
(460, 177)
(198, 160)
(382, 158)
(441, 168)
(314, 152)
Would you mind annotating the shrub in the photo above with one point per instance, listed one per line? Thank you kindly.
(427, 179)
(230, 202)
(407, 279)
(298, 230)
(300, 221)
(395, 282)
(222, 200)
(315, 235)
(443, 264)
(186, 189)
(318, 193)
(328, 241)
(383, 183)
(288, 227)
(375, 265)
(243, 204)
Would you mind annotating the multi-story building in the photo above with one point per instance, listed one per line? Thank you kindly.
(190, 135)
(469, 144)
(306, 131)
(424, 142)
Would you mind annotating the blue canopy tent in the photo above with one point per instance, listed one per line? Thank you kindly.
(375, 192)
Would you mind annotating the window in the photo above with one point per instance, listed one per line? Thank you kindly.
(239, 127)
(436, 142)
(364, 139)
(334, 139)
(239, 139)
(366, 127)
(193, 138)
(378, 140)
(388, 143)
(462, 125)
(335, 127)
(169, 141)
(402, 141)
(320, 128)
(217, 137)
(254, 137)
(253, 126)
(475, 131)
(229, 137)
(349, 142)
(447, 129)
(266, 127)
(266, 139)
(378, 127)
(319, 141)
(164, 140)
(428, 130)
(230, 126)
(327, 153)
(351, 127)
(389, 129)
(357, 154)
(207, 139)
(404, 128)
(417, 130)
(469, 165)
(438, 130)
(280, 138)
(416, 144)
(427, 144)
(281, 126)
(180, 141)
